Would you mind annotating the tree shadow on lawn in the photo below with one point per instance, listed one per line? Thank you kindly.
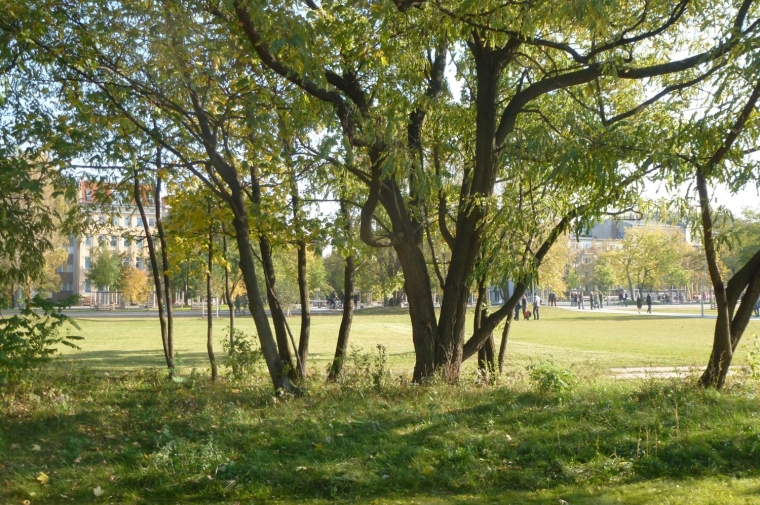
(357, 444)
(111, 360)
(606, 316)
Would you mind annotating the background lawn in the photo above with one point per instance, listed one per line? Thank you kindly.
(586, 338)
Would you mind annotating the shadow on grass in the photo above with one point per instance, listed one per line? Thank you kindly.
(115, 359)
(197, 441)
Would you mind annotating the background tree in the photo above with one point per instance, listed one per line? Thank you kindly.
(134, 285)
(105, 268)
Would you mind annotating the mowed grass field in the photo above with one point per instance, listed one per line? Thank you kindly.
(594, 340)
(107, 425)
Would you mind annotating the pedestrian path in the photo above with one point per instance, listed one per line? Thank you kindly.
(632, 312)
(662, 372)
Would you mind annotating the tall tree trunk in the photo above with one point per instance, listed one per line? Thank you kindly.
(275, 309)
(466, 245)
(349, 273)
(303, 295)
(166, 293)
(168, 351)
(227, 293)
(210, 324)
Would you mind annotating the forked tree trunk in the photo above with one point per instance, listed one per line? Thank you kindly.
(486, 365)
(168, 349)
(275, 309)
(210, 324)
(344, 332)
(729, 325)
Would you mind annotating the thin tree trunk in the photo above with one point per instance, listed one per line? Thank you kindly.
(166, 293)
(504, 340)
(210, 325)
(228, 294)
(168, 351)
(344, 332)
(303, 293)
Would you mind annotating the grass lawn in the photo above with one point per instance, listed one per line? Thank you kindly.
(106, 426)
(569, 337)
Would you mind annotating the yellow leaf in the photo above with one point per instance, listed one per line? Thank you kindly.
(35, 448)
(43, 478)
(98, 491)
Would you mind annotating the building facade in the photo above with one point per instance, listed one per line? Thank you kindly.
(117, 226)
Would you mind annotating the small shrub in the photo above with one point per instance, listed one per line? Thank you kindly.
(552, 379)
(243, 355)
(365, 369)
(29, 340)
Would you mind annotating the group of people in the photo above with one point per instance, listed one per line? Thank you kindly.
(522, 307)
(595, 298)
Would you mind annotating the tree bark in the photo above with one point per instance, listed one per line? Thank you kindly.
(168, 350)
(344, 332)
(504, 340)
(210, 324)
(166, 293)
(278, 316)
(341, 348)
(228, 293)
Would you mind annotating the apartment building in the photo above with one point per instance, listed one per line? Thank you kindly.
(117, 226)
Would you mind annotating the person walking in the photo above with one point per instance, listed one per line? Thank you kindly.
(536, 305)
(757, 308)
(517, 311)
(525, 306)
(625, 298)
(649, 302)
(601, 304)
(580, 300)
(639, 302)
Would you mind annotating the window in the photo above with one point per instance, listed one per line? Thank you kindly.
(101, 219)
(126, 260)
(139, 263)
(88, 195)
(139, 221)
(151, 222)
(127, 241)
(587, 245)
(114, 241)
(139, 243)
(87, 262)
(88, 240)
(128, 221)
(101, 240)
(87, 287)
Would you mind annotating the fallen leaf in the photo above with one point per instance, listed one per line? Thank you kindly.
(78, 460)
(36, 448)
(299, 468)
(26, 502)
(98, 491)
(43, 478)
(112, 478)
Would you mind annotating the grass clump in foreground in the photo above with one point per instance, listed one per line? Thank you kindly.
(376, 438)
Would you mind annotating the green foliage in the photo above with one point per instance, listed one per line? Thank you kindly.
(105, 270)
(552, 379)
(364, 369)
(29, 340)
(243, 354)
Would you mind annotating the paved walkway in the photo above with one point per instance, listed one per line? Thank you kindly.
(657, 310)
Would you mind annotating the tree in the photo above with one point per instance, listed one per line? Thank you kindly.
(134, 284)
(647, 254)
(517, 61)
(105, 268)
(604, 274)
